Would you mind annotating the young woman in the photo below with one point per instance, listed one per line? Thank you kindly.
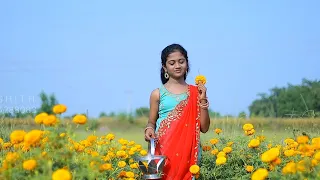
(178, 113)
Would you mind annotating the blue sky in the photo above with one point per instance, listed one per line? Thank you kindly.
(91, 53)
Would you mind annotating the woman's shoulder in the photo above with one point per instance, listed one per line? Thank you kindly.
(155, 94)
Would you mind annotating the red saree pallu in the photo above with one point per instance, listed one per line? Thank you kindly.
(178, 138)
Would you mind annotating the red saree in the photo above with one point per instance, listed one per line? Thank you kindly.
(179, 138)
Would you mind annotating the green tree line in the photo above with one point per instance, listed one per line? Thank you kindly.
(302, 100)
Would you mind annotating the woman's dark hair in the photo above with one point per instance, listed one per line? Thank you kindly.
(166, 52)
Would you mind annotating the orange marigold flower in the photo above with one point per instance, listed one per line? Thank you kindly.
(302, 139)
(254, 143)
(50, 120)
(59, 109)
(80, 119)
(214, 141)
(40, 117)
(17, 136)
(260, 174)
(194, 169)
(270, 155)
(29, 164)
(200, 79)
(61, 174)
(218, 130)
(247, 127)
(221, 160)
(249, 168)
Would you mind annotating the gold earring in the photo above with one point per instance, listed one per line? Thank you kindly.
(166, 75)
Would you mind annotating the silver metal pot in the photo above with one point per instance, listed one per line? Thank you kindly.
(154, 163)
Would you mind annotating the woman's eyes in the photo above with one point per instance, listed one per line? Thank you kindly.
(181, 61)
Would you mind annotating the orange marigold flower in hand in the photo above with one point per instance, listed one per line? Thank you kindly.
(200, 79)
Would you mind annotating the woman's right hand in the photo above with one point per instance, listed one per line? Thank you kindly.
(149, 133)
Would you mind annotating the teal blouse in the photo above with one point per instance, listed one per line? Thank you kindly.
(168, 101)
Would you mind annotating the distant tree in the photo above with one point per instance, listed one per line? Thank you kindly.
(47, 103)
(103, 114)
(142, 112)
(242, 115)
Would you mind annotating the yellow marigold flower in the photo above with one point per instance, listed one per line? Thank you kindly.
(260, 174)
(314, 162)
(214, 141)
(221, 154)
(134, 166)
(40, 117)
(254, 143)
(200, 79)
(121, 164)
(229, 144)
(250, 132)
(121, 154)
(59, 109)
(143, 152)
(50, 120)
(218, 130)
(247, 127)
(315, 140)
(301, 166)
(1, 141)
(302, 139)
(269, 146)
(33, 137)
(43, 153)
(261, 138)
(289, 168)
(105, 167)
(289, 141)
(194, 169)
(270, 155)
(129, 174)
(80, 119)
(227, 150)
(289, 152)
(110, 136)
(123, 142)
(131, 143)
(317, 156)
(131, 152)
(94, 154)
(62, 135)
(138, 146)
(17, 136)
(249, 168)
(214, 152)
(221, 160)
(61, 174)
(12, 156)
(29, 164)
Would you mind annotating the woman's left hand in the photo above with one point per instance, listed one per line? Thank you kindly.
(202, 91)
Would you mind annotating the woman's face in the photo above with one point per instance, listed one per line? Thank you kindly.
(176, 65)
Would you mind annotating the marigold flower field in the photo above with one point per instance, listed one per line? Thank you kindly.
(50, 151)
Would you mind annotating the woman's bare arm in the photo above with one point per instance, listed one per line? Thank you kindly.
(153, 114)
